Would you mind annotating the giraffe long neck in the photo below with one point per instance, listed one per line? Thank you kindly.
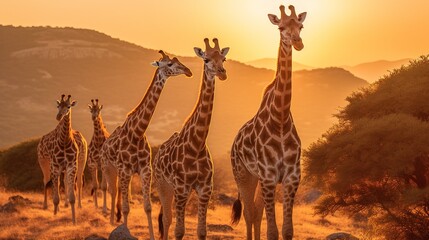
(282, 89)
(138, 119)
(100, 132)
(198, 124)
(64, 129)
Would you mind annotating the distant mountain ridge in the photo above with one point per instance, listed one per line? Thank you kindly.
(271, 63)
(38, 64)
(370, 71)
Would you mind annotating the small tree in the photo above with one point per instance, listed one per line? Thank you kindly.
(374, 162)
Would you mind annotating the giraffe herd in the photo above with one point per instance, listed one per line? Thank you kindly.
(265, 152)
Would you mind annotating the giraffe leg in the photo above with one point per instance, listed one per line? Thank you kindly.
(268, 193)
(246, 184)
(55, 189)
(166, 194)
(146, 181)
(181, 199)
(71, 175)
(290, 186)
(80, 168)
(124, 188)
(259, 211)
(112, 182)
(46, 170)
(204, 195)
(94, 175)
(65, 182)
(104, 189)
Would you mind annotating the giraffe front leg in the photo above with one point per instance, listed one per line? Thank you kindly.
(104, 190)
(268, 194)
(65, 182)
(181, 199)
(203, 202)
(124, 188)
(290, 186)
(94, 175)
(55, 189)
(71, 175)
(146, 177)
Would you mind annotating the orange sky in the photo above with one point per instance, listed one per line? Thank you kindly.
(336, 32)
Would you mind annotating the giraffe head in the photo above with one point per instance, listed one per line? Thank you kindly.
(213, 58)
(64, 106)
(171, 67)
(95, 109)
(289, 26)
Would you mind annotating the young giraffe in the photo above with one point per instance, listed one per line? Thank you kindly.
(98, 138)
(266, 150)
(183, 162)
(63, 149)
(127, 150)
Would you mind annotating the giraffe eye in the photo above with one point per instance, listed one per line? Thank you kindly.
(170, 64)
(206, 60)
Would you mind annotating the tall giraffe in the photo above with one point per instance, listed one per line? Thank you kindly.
(183, 163)
(98, 138)
(63, 149)
(127, 150)
(266, 150)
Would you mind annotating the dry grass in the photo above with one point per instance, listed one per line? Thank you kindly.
(32, 222)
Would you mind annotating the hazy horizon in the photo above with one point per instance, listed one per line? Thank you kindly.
(356, 31)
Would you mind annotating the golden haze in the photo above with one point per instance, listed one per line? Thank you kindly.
(336, 32)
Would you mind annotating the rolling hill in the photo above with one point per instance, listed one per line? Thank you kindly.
(271, 63)
(38, 64)
(372, 71)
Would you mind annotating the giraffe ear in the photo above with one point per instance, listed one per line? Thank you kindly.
(73, 103)
(101, 107)
(58, 102)
(199, 52)
(274, 19)
(301, 17)
(224, 51)
(89, 106)
(155, 64)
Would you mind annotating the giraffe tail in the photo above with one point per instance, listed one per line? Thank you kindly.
(236, 211)
(160, 224)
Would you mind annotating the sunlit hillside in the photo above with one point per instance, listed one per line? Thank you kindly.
(38, 64)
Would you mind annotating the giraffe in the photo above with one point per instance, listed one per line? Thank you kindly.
(98, 138)
(266, 150)
(183, 163)
(63, 149)
(127, 150)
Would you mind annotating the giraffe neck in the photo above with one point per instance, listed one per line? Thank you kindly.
(282, 88)
(198, 124)
(138, 119)
(64, 129)
(100, 132)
